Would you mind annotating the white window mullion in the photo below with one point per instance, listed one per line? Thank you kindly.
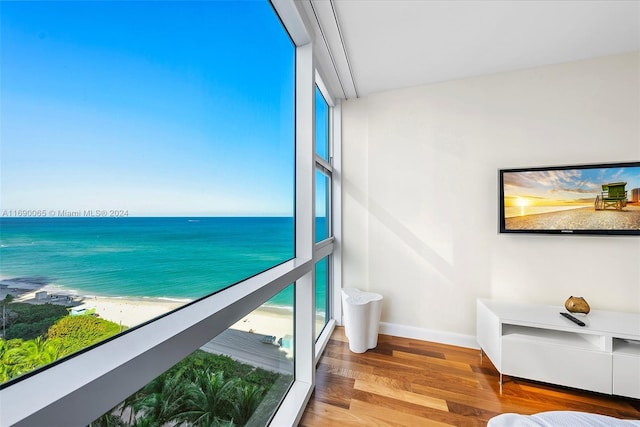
(305, 220)
(293, 406)
(336, 210)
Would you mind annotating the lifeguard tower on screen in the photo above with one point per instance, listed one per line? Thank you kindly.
(614, 195)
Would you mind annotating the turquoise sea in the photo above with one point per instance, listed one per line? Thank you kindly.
(176, 258)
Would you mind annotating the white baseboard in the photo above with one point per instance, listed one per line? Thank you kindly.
(450, 338)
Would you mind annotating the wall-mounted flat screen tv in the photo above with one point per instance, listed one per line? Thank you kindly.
(581, 199)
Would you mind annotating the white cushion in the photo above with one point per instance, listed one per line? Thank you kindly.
(559, 419)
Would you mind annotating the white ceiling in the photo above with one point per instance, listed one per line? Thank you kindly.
(378, 45)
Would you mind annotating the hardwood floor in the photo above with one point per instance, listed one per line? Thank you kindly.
(406, 382)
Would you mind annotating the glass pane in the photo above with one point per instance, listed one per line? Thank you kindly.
(322, 125)
(322, 294)
(322, 206)
(150, 165)
(239, 378)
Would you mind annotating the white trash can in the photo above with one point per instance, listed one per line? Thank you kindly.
(361, 318)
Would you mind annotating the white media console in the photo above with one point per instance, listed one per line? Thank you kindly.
(536, 342)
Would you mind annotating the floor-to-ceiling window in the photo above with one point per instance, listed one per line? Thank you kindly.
(181, 134)
(147, 161)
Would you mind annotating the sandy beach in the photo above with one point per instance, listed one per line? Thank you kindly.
(130, 312)
(579, 219)
(124, 311)
(270, 321)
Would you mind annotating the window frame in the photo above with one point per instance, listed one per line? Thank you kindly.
(86, 383)
(325, 248)
(326, 167)
(325, 173)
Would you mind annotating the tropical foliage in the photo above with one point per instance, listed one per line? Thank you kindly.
(28, 321)
(202, 390)
(21, 354)
(78, 332)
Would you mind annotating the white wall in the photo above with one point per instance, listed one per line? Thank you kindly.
(420, 193)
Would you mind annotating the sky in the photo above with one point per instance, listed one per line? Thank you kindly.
(322, 125)
(159, 108)
(557, 187)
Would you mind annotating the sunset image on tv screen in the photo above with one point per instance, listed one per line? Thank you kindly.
(599, 198)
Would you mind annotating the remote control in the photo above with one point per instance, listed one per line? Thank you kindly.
(573, 319)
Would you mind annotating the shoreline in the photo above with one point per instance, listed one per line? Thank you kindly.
(266, 320)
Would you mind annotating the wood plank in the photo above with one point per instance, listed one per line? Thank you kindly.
(319, 414)
(423, 412)
(336, 362)
(399, 418)
(335, 390)
(421, 359)
(418, 351)
(403, 395)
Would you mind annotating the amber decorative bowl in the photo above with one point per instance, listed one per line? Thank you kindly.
(577, 305)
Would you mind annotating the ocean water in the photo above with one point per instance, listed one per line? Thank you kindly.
(176, 258)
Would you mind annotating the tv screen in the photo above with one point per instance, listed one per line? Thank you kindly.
(581, 199)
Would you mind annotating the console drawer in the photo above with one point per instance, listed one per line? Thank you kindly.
(552, 362)
(626, 368)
